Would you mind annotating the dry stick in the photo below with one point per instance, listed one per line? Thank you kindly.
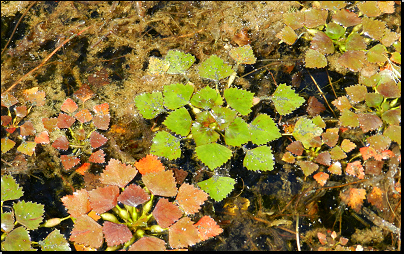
(45, 60)
(322, 94)
(15, 28)
(329, 80)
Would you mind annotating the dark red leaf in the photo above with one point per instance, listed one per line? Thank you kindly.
(61, 143)
(99, 79)
(207, 227)
(97, 157)
(69, 106)
(296, 148)
(148, 243)
(103, 199)
(86, 231)
(179, 175)
(116, 234)
(183, 234)
(161, 183)
(84, 93)
(190, 198)
(101, 121)
(324, 158)
(65, 121)
(314, 107)
(97, 139)
(133, 195)
(77, 204)
(166, 213)
(69, 161)
(118, 173)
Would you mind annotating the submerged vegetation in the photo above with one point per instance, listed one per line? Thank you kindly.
(164, 126)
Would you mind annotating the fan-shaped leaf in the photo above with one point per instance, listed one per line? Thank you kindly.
(315, 59)
(294, 19)
(369, 121)
(42, 138)
(263, 129)
(347, 145)
(69, 106)
(6, 144)
(166, 213)
(61, 143)
(335, 168)
(376, 198)
(84, 93)
(179, 121)
(65, 121)
(10, 190)
(29, 214)
(324, 158)
(50, 123)
(356, 93)
(161, 183)
(21, 111)
(308, 167)
(354, 198)
(149, 164)
(369, 8)
(83, 116)
(355, 42)
(213, 155)
(394, 133)
(117, 173)
(314, 107)
(97, 157)
(330, 137)
(346, 18)
(237, 133)
(17, 240)
(177, 95)
(36, 97)
(148, 243)
(240, 100)
(287, 35)
(179, 61)
(206, 98)
(183, 234)
(373, 28)
(158, 66)
(77, 204)
(97, 139)
(69, 161)
(379, 142)
(337, 153)
(355, 168)
(207, 228)
(348, 119)
(133, 195)
(7, 221)
(389, 89)
(322, 43)
(214, 68)
(223, 116)
(296, 148)
(8, 100)
(315, 17)
(218, 187)
(342, 103)
(150, 104)
(305, 130)
(27, 129)
(243, 55)
(190, 198)
(286, 100)
(86, 231)
(321, 178)
(116, 234)
(55, 242)
(166, 145)
(259, 158)
(353, 60)
(103, 199)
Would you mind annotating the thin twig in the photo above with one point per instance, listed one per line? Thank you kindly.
(297, 233)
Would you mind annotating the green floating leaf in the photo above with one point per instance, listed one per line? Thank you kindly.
(206, 98)
(179, 61)
(177, 95)
(223, 116)
(158, 66)
(218, 187)
(348, 119)
(166, 145)
(213, 155)
(355, 42)
(179, 121)
(286, 100)
(305, 130)
(214, 68)
(334, 31)
(150, 104)
(29, 214)
(394, 133)
(10, 190)
(6, 144)
(263, 129)
(237, 133)
(239, 99)
(55, 242)
(243, 55)
(373, 99)
(7, 221)
(203, 135)
(17, 240)
(259, 158)
(377, 54)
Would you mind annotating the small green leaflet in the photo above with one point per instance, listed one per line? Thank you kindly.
(263, 129)
(237, 133)
(214, 68)
(55, 242)
(243, 55)
(10, 190)
(286, 100)
(206, 98)
(179, 61)
(218, 187)
(223, 116)
(203, 135)
(166, 145)
(177, 95)
(28, 214)
(213, 155)
(150, 104)
(305, 130)
(17, 240)
(259, 158)
(240, 100)
(179, 121)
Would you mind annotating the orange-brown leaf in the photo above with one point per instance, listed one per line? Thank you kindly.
(190, 198)
(376, 198)
(354, 198)
(161, 183)
(207, 228)
(116, 234)
(149, 164)
(133, 195)
(148, 243)
(103, 199)
(355, 168)
(117, 173)
(321, 178)
(69, 106)
(87, 231)
(166, 213)
(183, 234)
(77, 204)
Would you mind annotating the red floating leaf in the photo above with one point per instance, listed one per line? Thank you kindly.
(148, 243)
(149, 164)
(389, 89)
(190, 198)
(103, 199)
(116, 234)
(61, 143)
(65, 121)
(99, 79)
(308, 167)
(84, 93)
(35, 97)
(346, 18)
(69, 106)
(50, 123)
(27, 129)
(69, 161)
(373, 167)
(314, 107)
(347, 145)
(324, 158)
(207, 227)
(296, 148)
(118, 173)
(5, 120)
(355, 169)
(8, 100)
(27, 148)
(166, 213)
(369, 121)
(183, 234)
(322, 238)
(330, 137)
(322, 43)
(353, 60)
(77, 204)
(102, 109)
(321, 178)
(21, 111)
(42, 138)
(161, 183)
(83, 116)
(376, 198)
(179, 175)
(97, 139)
(97, 157)
(87, 231)
(83, 168)
(133, 195)
(101, 121)
(335, 168)
(354, 198)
